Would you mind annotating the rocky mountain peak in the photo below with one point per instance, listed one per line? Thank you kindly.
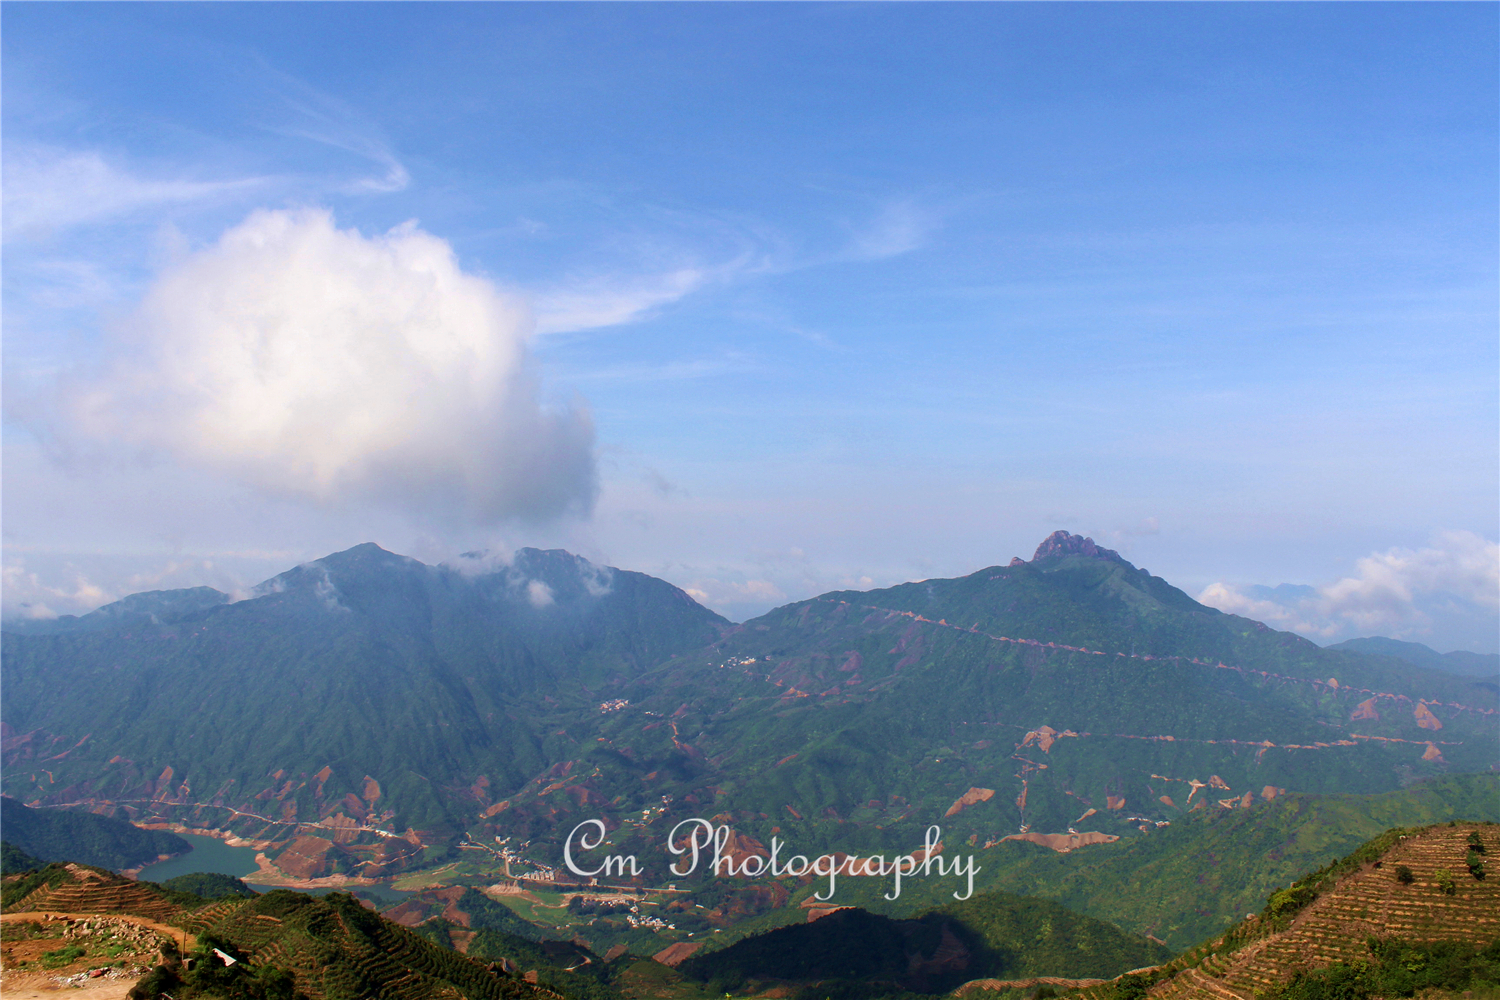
(1061, 543)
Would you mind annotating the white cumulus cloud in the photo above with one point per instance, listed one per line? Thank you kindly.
(1386, 585)
(314, 362)
(1288, 615)
(1453, 583)
(27, 595)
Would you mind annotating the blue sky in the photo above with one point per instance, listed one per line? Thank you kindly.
(775, 298)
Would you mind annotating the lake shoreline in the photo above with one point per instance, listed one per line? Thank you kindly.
(245, 860)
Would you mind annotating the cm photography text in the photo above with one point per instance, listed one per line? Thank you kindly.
(702, 834)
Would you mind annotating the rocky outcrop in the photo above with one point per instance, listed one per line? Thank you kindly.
(1061, 543)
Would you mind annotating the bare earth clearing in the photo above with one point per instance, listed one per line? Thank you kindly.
(92, 956)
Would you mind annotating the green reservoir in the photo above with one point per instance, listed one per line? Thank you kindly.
(209, 854)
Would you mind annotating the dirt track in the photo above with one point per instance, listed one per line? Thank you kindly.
(113, 985)
(41, 986)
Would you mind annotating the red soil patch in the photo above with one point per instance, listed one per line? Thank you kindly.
(1064, 842)
(676, 954)
(969, 798)
(305, 857)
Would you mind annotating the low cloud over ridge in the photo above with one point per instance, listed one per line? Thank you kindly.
(1400, 593)
(313, 362)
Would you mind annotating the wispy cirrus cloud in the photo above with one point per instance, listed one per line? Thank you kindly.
(603, 302)
(49, 189)
(899, 227)
(331, 121)
(341, 131)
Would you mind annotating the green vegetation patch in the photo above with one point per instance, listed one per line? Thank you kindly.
(209, 885)
(1286, 903)
(1037, 937)
(65, 955)
(1191, 881)
(13, 892)
(1400, 968)
(486, 914)
(331, 947)
(13, 860)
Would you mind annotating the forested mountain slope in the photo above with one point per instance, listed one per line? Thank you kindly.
(365, 682)
(1068, 700)
(1073, 691)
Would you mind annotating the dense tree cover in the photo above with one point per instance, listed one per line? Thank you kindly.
(14, 860)
(69, 835)
(1023, 936)
(208, 885)
(848, 944)
(1191, 880)
(486, 914)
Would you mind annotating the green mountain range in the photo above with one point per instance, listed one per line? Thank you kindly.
(408, 683)
(1071, 692)
(1485, 666)
(368, 714)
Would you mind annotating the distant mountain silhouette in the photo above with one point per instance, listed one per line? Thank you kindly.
(1486, 665)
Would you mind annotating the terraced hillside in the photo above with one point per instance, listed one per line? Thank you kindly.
(337, 949)
(331, 947)
(74, 888)
(1414, 886)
